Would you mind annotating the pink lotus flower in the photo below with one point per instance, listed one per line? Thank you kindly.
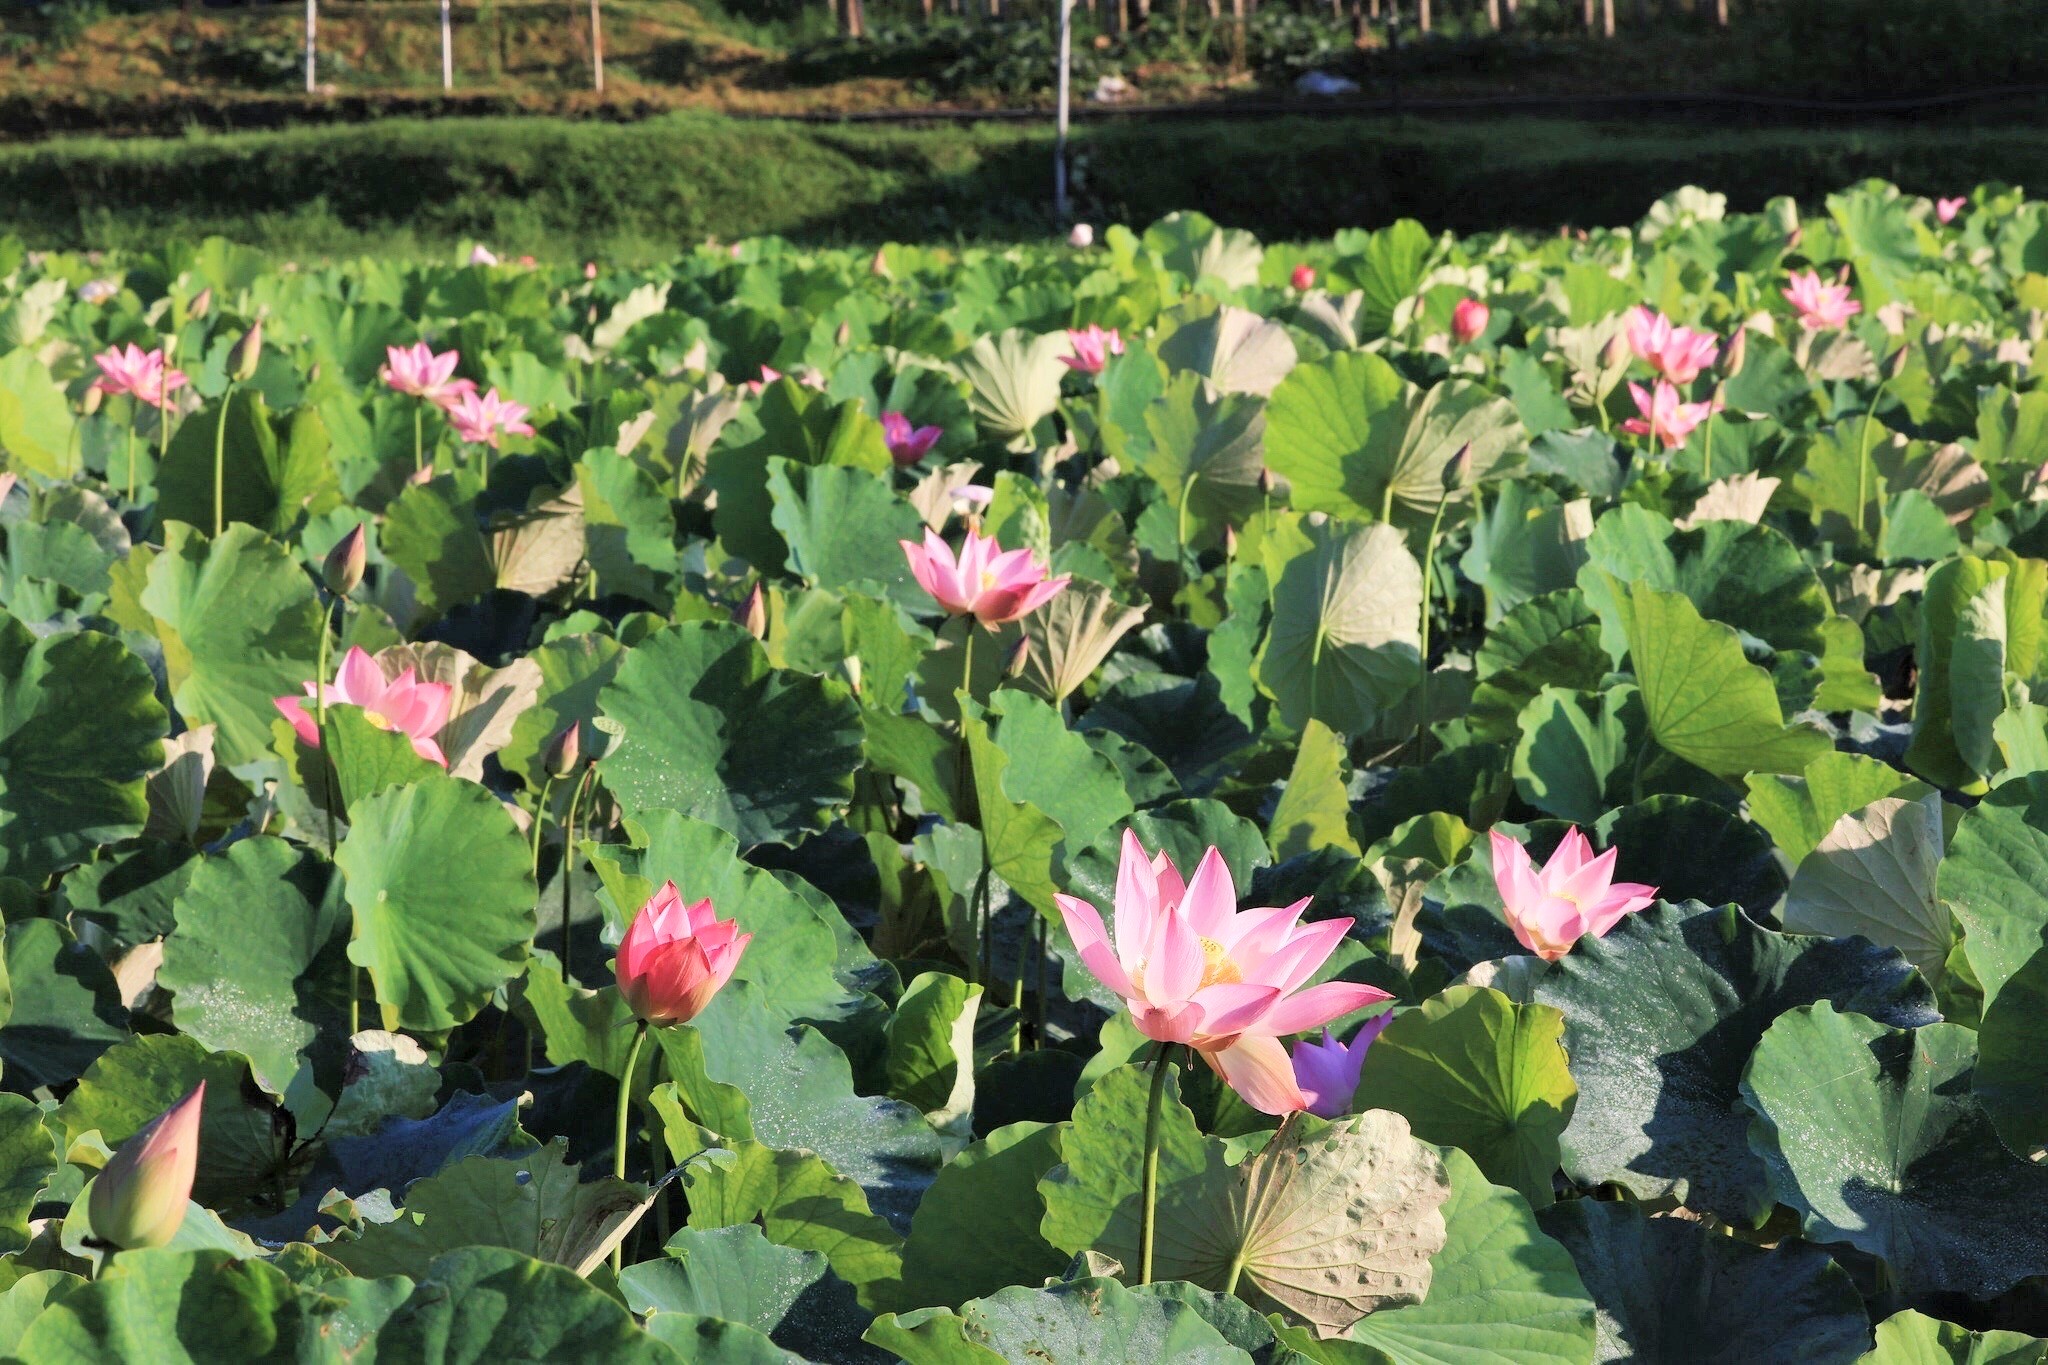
(482, 255)
(1327, 1072)
(139, 373)
(1468, 321)
(1081, 236)
(414, 709)
(480, 421)
(139, 1197)
(1092, 348)
(590, 270)
(1821, 306)
(1194, 969)
(984, 581)
(1303, 279)
(1574, 894)
(675, 957)
(417, 371)
(810, 379)
(1677, 353)
(1945, 210)
(908, 444)
(1666, 415)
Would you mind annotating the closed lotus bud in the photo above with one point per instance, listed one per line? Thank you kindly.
(1468, 320)
(1019, 655)
(1458, 472)
(94, 396)
(880, 265)
(139, 1199)
(1303, 279)
(246, 352)
(1616, 355)
(345, 562)
(1265, 482)
(1229, 542)
(1793, 237)
(1735, 354)
(843, 335)
(850, 666)
(564, 750)
(675, 957)
(202, 303)
(1081, 236)
(752, 614)
(1896, 366)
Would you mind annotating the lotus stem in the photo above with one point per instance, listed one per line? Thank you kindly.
(163, 428)
(625, 1110)
(1149, 1178)
(1863, 469)
(568, 865)
(220, 458)
(540, 820)
(419, 455)
(1017, 987)
(131, 457)
(1436, 525)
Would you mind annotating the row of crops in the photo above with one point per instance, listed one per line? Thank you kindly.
(1399, 799)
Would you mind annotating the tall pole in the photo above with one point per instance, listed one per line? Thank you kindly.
(596, 48)
(1060, 208)
(312, 25)
(447, 50)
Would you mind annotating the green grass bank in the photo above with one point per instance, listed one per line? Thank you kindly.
(553, 186)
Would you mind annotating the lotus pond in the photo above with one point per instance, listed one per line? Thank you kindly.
(1397, 799)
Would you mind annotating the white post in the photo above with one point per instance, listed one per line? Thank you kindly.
(596, 48)
(447, 50)
(1059, 153)
(312, 25)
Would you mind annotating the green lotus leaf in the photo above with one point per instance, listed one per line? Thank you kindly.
(977, 1227)
(482, 1305)
(1660, 1018)
(1694, 850)
(64, 1009)
(707, 728)
(930, 1058)
(1871, 1134)
(28, 1161)
(1475, 1070)
(2011, 1077)
(35, 421)
(442, 890)
(1995, 879)
(574, 671)
(1344, 641)
(1800, 810)
(80, 730)
(274, 470)
(1098, 1321)
(1666, 1288)
(1910, 1338)
(1874, 874)
(240, 625)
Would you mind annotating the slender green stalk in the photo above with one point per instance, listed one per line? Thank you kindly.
(1387, 504)
(619, 1129)
(977, 910)
(320, 724)
(1436, 525)
(419, 449)
(1024, 941)
(1038, 997)
(568, 864)
(1707, 449)
(540, 820)
(220, 458)
(163, 427)
(131, 456)
(1149, 1174)
(1863, 466)
(657, 1150)
(967, 662)
(1642, 762)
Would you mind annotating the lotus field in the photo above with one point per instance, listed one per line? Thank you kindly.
(1139, 798)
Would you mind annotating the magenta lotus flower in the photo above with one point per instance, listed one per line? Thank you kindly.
(1303, 279)
(908, 444)
(414, 709)
(1821, 306)
(139, 1197)
(675, 957)
(139, 373)
(1574, 894)
(1092, 348)
(481, 420)
(1677, 353)
(1192, 968)
(1327, 1072)
(415, 370)
(1666, 415)
(983, 581)
(1945, 210)
(1468, 320)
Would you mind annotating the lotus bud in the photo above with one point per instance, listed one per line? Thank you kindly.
(1896, 365)
(1616, 355)
(1303, 279)
(1265, 482)
(564, 750)
(94, 396)
(850, 666)
(880, 265)
(1019, 655)
(1229, 542)
(675, 957)
(1081, 236)
(245, 353)
(139, 1199)
(202, 303)
(1736, 352)
(346, 561)
(590, 270)
(752, 614)
(1458, 471)
(1468, 320)
(1793, 237)
(844, 335)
